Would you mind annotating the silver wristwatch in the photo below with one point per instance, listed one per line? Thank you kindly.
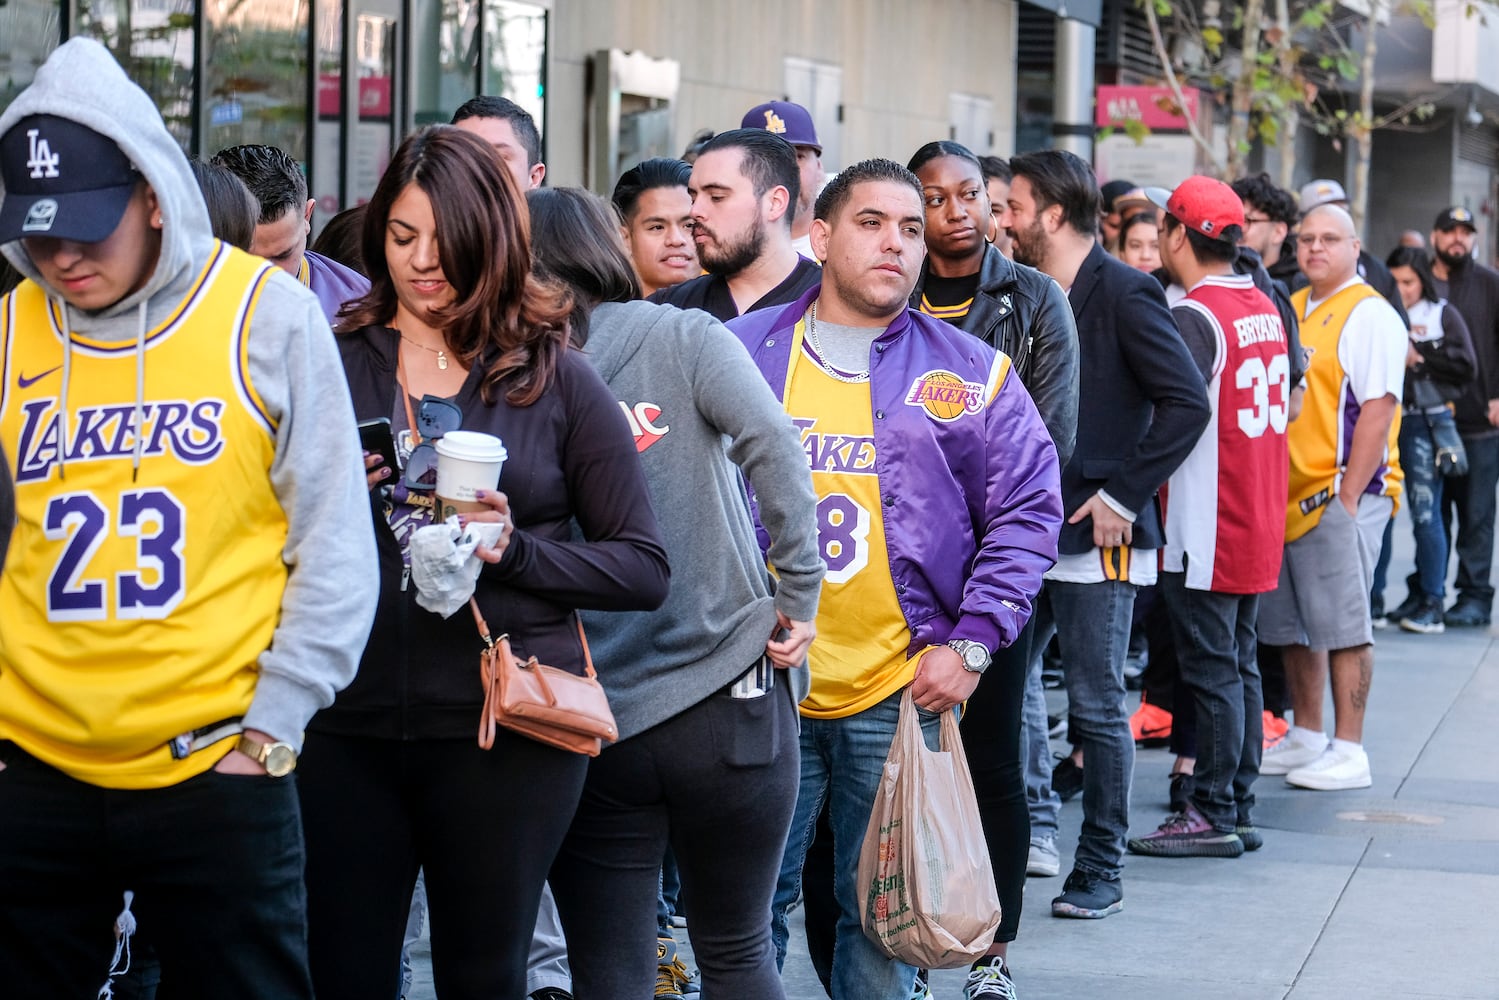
(975, 655)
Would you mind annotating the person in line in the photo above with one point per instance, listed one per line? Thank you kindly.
(744, 187)
(511, 130)
(1329, 192)
(1141, 406)
(1472, 289)
(232, 210)
(655, 219)
(1140, 241)
(793, 123)
(703, 690)
(457, 329)
(285, 223)
(195, 474)
(1225, 511)
(1345, 479)
(870, 383)
(340, 238)
(1023, 313)
(997, 177)
(1439, 366)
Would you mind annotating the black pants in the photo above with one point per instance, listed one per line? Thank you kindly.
(483, 824)
(215, 863)
(718, 783)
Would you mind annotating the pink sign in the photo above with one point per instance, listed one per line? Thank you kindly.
(329, 93)
(374, 96)
(1153, 107)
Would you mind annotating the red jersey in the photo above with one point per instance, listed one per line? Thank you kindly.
(1226, 521)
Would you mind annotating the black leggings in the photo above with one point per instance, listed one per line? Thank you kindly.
(718, 782)
(484, 824)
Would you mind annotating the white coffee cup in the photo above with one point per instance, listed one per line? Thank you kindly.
(467, 462)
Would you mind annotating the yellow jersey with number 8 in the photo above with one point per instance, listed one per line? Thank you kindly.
(136, 605)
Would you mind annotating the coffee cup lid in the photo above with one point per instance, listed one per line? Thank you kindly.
(472, 446)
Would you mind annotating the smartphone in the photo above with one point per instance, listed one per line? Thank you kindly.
(375, 438)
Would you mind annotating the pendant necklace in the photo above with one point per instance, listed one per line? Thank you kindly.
(442, 356)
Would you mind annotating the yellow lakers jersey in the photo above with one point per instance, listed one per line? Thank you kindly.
(859, 657)
(136, 606)
(1319, 439)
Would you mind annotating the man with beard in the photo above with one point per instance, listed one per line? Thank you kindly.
(1473, 290)
(744, 188)
(907, 423)
(1142, 403)
(997, 177)
(793, 123)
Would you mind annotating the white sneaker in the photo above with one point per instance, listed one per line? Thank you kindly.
(1336, 770)
(1044, 859)
(1289, 754)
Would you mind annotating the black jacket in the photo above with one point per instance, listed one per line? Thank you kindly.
(1473, 290)
(1446, 360)
(1024, 313)
(1142, 403)
(571, 456)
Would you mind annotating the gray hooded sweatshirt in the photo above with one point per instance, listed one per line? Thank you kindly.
(698, 407)
(317, 473)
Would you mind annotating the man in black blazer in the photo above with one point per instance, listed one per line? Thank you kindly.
(1142, 404)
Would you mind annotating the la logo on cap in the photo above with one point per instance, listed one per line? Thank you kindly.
(42, 162)
(774, 122)
(40, 216)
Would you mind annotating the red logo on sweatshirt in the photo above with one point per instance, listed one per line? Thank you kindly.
(642, 418)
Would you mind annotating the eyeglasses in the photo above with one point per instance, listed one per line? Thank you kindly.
(435, 417)
(1310, 240)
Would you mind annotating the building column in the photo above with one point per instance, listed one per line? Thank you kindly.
(1072, 116)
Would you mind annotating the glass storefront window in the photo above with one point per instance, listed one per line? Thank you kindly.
(255, 75)
(153, 41)
(516, 45)
(445, 58)
(30, 29)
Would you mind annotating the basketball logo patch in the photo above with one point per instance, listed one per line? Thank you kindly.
(945, 396)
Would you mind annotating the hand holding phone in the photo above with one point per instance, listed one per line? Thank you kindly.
(375, 438)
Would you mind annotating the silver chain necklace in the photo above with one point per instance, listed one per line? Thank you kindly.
(822, 362)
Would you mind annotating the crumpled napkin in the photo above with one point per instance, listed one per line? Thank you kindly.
(443, 564)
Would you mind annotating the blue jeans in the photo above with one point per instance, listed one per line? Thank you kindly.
(1472, 497)
(1093, 624)
(1035, 744)
(1216, 650)
(854, 749)
(1423, 492)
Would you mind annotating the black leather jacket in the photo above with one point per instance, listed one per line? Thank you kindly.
(1024, 313)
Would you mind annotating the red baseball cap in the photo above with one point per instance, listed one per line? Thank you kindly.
(1204, 204)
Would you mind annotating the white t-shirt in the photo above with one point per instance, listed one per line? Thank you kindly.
(1372, 347)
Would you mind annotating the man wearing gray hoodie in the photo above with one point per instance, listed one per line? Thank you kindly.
(190, 578)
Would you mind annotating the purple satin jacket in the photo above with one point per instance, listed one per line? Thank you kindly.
(970, 490)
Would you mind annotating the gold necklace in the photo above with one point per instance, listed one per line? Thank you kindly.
(442, 356)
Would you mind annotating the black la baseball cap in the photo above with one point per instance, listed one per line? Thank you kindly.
(62, 179)
(1453, 217)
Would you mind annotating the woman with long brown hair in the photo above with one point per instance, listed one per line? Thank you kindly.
(456, 333)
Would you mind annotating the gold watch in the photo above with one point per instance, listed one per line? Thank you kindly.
(278, 759)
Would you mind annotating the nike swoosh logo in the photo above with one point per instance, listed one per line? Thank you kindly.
(24, 382)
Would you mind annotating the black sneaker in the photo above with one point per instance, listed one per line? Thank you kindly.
(1181, 791)
(1066, 778)
(1088, 897)
(1251, 837)
(1188, 835)
(1426, 619)
(1409, 606)
(1467, 613)
(989, 978)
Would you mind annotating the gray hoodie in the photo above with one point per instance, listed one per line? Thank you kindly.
(317, 475)
(698, 407)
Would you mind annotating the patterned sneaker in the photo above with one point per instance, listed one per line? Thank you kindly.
(1251, 836)
(919, 989)
(991, 979)
(1337, 770)
(1188, 835)
(1289, 754)
(1088, 897)
(673, 981)
(1066, 779)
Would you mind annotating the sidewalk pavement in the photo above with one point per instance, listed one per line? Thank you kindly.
(1382, 893)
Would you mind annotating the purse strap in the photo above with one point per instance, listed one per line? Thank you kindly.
(483, 627)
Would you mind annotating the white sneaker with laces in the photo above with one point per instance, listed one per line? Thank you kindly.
(989, 981)
(1336, 770)
(1289, 754)
(1044, 859)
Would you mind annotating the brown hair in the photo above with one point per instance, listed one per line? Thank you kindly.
(503, 317)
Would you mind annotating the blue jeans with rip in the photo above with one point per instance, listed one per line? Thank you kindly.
(842, 761)
(1093, 625)
(1423, 492)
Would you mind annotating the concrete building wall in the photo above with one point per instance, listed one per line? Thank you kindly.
(900, 63)
(1409, 183)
